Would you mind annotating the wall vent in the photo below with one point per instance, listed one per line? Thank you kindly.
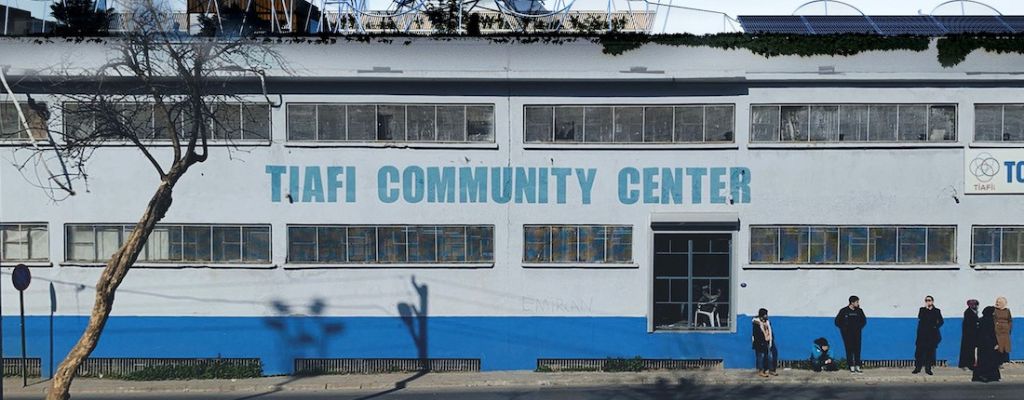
(806, 364)
(114, 367)
(341, 366)
(601, 364)
(12, 366)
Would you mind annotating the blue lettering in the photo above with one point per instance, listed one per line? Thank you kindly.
(293, 184)
(412, 184)
(650, 185)
(275, 172)
(739, 182)
(387, 175)
(1020, 171)
(526, 185)
(1009, 170)
(473, 188)
(696, 175)
(717, 185)
(501, 184)
(628, 176)
(350, 184)
(313, 186)
(586, 178)
(671, 185)
(560, 175)
(333, 183)
(441, 185)
(542, 186)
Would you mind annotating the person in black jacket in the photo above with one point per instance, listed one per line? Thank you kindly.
(989, 357)
(929, 320)
(969, 336)
(851, 320)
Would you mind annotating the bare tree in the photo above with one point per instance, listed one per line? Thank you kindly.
(160, 89)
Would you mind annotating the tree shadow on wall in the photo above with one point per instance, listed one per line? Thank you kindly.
(303, 331)
(415, 319)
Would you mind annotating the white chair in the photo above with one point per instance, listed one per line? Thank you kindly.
(712, 315)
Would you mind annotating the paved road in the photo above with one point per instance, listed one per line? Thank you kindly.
(660, 391)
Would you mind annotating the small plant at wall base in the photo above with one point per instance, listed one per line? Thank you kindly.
(80, 18)
(215, 369)
(635, 364)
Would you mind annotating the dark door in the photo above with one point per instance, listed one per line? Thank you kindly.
(692, 280)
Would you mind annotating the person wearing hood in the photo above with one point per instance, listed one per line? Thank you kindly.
(929, 320)
(969, 336)
(767, 355)
(989, 357)
(1004, 325)
(820, 359)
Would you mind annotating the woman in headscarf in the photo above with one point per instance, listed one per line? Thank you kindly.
(969, 336)
(929, 320)
(989, 357)
(1004, 324)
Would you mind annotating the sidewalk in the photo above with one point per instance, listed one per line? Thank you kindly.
(1011, 373)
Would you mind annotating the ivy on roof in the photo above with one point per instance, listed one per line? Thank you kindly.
(952, 50)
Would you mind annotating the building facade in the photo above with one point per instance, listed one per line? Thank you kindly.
(514, 202)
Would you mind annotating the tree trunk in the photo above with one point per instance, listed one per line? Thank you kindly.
(113, 275)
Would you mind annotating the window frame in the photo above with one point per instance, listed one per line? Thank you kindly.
(316, 142)
(1002, 127)
(19, 141)
(994, 265)
(868, 142)
(213, 142)
(409, 229)
(608, 240)
(868, 256)
(643, 143)
(125, 229)
(30, 262)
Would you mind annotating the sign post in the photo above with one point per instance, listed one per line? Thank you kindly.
(21, 278)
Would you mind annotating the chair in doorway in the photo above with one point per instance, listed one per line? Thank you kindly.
(707, 307)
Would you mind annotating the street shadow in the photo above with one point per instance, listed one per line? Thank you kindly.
(415, 319)
(303, 331)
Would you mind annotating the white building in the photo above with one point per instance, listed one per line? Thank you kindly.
(538, 201)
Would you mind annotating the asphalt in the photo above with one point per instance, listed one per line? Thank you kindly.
(717, 381)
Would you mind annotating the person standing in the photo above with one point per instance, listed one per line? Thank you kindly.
(851, 320)
(767, 355)
(989, 357)
(969, 336)
(1003, 324)
(929, 320)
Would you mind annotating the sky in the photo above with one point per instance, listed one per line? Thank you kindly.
(677, 20)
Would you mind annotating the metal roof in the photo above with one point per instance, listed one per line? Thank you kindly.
(881, 25)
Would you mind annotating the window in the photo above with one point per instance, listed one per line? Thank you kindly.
(169, 243)
(447, 123)
(692, 281)
(578, 244)
(11, 127)
(999, 123)
(231, 122)
(831, 244)
(832, 123)
(997, 245)
(660, 124)
(24, 242)
(391, 244)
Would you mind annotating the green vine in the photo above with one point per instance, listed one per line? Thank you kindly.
(954, 49)
(770, 45)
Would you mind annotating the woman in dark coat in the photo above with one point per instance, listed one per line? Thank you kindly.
(929, 319)
(989, 357)
(969, 336)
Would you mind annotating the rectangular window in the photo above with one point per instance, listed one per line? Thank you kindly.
(997, 245)
(622, 124)
(844, 245)
(173, 243)
(692, 274)
(11, 127)
(24, 242)
(577, 244)
(999, 123)
(836, 123)
(404, 123)
(230, 122)
(391, 244)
